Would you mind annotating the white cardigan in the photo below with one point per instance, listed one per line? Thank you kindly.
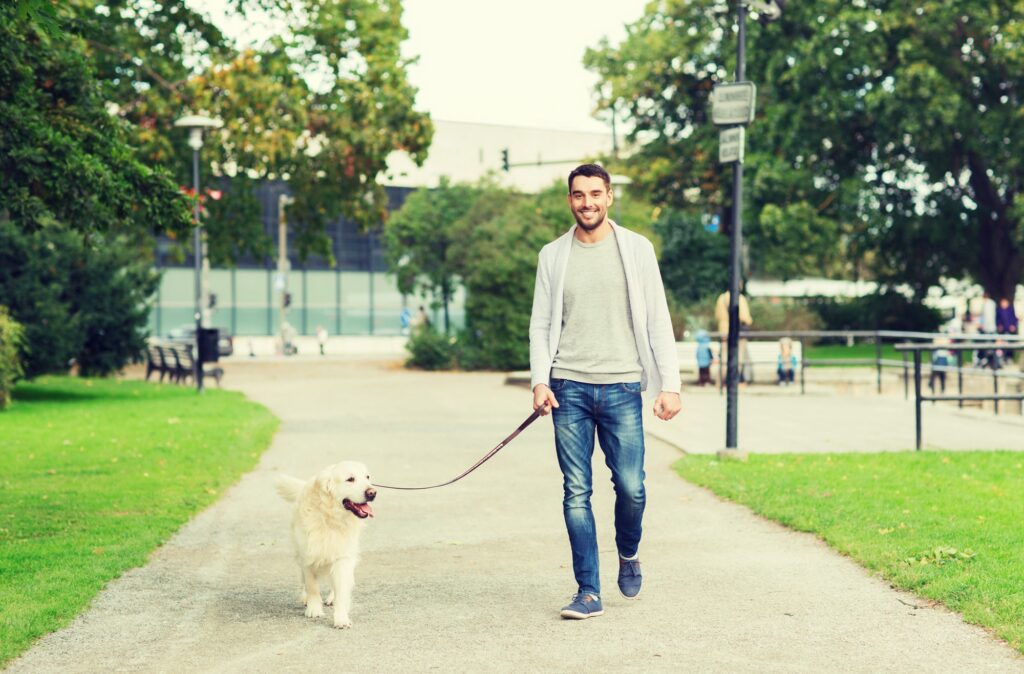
(652, 327)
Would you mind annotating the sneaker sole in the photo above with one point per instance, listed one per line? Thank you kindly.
(576, 615)
(626, 596)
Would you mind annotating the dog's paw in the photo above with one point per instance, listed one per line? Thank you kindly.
(342, 622)
(330, 599)
(314, 611)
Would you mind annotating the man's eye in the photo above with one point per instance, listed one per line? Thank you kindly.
(351, 479)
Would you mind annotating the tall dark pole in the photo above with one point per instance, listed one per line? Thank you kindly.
(735, 255)
(197, 362)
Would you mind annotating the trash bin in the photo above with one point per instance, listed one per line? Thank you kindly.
(208, 349)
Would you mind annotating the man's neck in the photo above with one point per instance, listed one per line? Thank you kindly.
(596, 235)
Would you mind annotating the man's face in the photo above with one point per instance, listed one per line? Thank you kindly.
(589, 200)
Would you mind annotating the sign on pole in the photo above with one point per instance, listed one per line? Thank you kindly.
(733, 103)
(730, 145)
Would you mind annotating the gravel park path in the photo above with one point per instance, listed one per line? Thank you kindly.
(470, 577)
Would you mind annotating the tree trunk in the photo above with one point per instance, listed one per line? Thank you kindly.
(999, 258)
(447, 294)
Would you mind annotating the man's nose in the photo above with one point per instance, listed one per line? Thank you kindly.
(371, 494)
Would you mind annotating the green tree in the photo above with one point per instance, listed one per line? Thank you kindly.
(75, 205)
(320, 106)
(11, 345)
(895, 122)
(63, 157)
(418, 240)
(694, 262)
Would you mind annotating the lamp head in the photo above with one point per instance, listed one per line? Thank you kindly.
(195, 125)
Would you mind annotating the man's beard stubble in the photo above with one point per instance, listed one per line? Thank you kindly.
(584, 226)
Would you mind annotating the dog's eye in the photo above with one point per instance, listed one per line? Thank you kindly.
(351, 479)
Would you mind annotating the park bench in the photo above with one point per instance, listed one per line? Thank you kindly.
(176, 362)
(156, 362)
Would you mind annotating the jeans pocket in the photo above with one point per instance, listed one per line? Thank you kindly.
(556, 384)
(631, 387)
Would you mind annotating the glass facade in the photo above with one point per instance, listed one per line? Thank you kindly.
(355, 297)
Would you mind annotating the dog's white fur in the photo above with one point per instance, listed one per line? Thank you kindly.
(326, 534)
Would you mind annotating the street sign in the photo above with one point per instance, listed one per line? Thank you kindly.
(730, 145)
(733, 103)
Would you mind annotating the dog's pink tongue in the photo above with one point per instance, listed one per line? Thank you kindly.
(367, 508)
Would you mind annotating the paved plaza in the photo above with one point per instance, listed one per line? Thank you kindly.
(470, 577)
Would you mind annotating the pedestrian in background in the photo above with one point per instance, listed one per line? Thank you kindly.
(722, 318)
(987, 319)
(941, 359)
(600, 335)
(1006, 318)
(321, 338)
(405, 320)
(704, 358)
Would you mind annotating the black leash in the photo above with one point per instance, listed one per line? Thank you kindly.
(529, 420)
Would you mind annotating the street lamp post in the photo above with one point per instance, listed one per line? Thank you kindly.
(195, 125)
(734, 108)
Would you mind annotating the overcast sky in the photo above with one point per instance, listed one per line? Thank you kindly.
(517, 63)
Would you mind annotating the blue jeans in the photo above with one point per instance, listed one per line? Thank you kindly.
(614, 412)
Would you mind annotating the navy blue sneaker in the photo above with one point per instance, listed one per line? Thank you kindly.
(583, 606)
(630, 577)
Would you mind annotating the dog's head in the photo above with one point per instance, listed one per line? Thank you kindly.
(348, 484)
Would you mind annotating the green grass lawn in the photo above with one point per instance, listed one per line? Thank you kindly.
(864, 350)
(944, 525)
(95, 474)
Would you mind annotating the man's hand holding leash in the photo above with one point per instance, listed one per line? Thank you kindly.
(544, 397)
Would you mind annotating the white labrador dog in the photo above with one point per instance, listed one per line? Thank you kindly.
(330, 512)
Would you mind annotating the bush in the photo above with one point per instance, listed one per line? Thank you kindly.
(782, 315)
(430, 350)
(10, 356)
(80, 298)
(884, 311)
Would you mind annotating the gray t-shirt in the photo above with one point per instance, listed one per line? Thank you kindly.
(597, 345)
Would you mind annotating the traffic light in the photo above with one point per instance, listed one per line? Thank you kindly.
(504, 160)
(287, 299)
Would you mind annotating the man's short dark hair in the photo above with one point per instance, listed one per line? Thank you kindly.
(590, 171)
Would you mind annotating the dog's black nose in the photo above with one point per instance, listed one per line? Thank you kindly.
(371, 494)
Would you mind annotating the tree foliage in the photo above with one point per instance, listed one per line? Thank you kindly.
(418, 240)
(485, 238)
(11, 345)
(888, 140)
(62, 156)
(694, 262)
(321, 105)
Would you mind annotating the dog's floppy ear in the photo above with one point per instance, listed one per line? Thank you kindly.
(324, 484)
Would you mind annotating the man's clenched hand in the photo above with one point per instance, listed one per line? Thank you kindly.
(666, 406)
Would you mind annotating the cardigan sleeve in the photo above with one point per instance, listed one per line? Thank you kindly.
(540, 325)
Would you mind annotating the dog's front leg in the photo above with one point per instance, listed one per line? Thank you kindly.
(342, 580)
(314, 602)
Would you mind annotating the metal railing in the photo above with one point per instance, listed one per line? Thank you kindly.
(879, 338)
(996, 396)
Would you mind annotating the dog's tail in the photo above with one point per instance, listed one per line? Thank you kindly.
(289, 487)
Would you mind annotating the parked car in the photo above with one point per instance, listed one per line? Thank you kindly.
(187, 333)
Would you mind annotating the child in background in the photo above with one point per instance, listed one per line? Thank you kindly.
(787, 361)
(704, 358)
(941, 359)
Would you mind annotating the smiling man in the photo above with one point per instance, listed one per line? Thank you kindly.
(600, 335)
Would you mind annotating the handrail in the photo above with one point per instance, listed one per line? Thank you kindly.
(995, 397)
